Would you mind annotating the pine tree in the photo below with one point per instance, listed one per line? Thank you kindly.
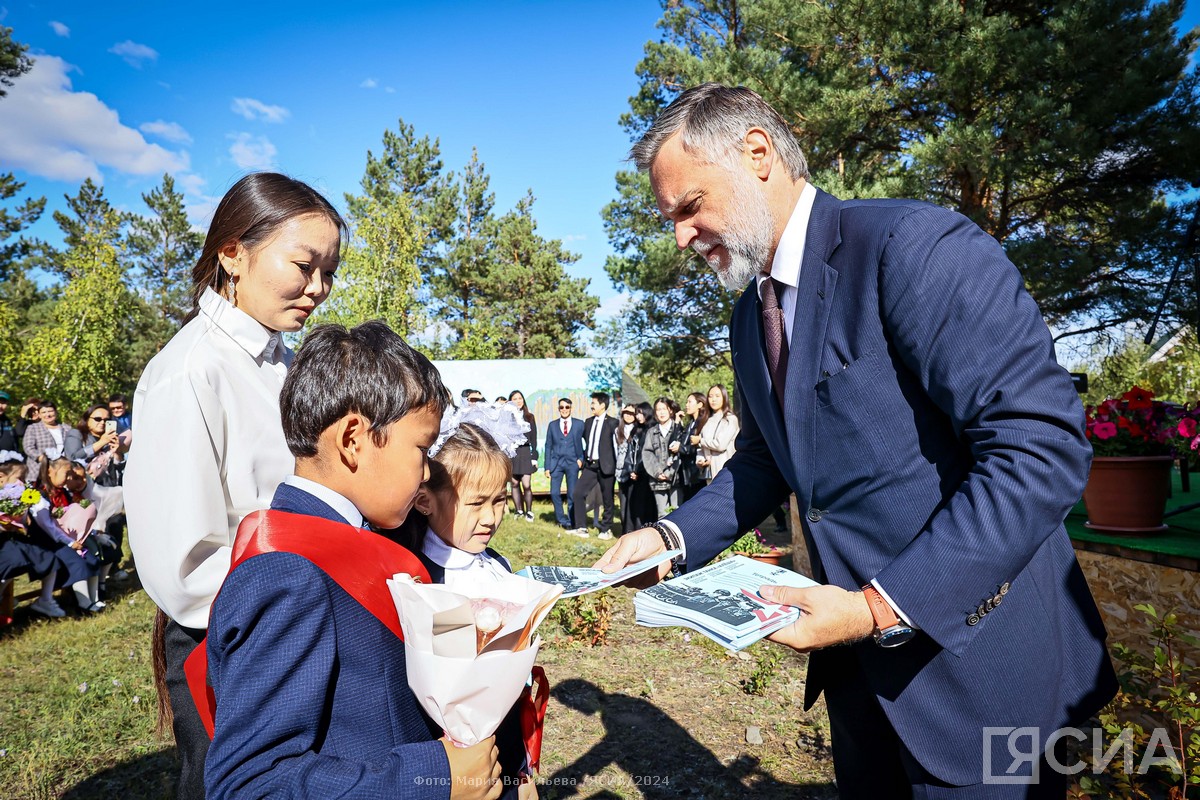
(164, 248)
(80, 353)
(1063, 128)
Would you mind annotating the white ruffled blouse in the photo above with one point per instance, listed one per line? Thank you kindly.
(464, 570)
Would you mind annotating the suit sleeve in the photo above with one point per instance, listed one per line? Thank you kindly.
(272, 656)
(958, 314)
(744, 493)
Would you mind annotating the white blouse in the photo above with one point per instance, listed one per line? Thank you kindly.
(464, 571)
(209, 451)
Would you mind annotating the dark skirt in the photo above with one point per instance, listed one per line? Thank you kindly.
(73, 565)
(522, 462)
(19, 556)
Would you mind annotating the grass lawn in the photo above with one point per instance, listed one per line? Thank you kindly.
(649, 713)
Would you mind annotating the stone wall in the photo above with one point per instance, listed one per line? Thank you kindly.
(1118, 584)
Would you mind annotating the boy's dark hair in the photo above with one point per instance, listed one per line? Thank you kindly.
(601, 398)
(117, 398)
(367, 370)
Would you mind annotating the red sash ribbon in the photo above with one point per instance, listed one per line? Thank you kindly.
(361, 567)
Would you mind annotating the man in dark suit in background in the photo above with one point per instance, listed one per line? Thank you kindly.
(564, 458)
(895, 375)
(599, 467)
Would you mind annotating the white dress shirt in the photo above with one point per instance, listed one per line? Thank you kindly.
(209, 451)
(335, 500)
(464, 571)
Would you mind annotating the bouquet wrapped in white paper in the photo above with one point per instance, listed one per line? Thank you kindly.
(469, 657)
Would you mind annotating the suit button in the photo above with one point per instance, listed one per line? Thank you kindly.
(990, 604)
(1004, 588)
(973, 619)
(983, 609)
(998, 599)
(814, 515)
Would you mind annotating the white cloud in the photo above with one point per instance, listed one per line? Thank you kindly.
(134, 54)
(171, 131)
(369, 83)
(252, 152)
(199, 204)
(613, 306)
(389, 90)
(250, 108)
(574, 237)
(60, 29)
(48, 129)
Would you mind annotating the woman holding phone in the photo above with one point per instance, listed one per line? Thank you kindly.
(210, 446)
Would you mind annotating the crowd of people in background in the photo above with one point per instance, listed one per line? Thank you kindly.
(66, 465)
(646, 458)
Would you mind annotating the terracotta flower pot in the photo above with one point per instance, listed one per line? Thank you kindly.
(767, 558)
(1128, 495)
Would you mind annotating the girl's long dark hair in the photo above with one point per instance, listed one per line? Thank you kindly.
(524, 408)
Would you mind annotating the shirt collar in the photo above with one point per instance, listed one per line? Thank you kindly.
(449, 557)
(249, 333)
(338, 502)
(789, 253)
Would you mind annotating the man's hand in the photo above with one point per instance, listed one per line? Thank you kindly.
(547, 473)
(474, 770)
(632, 548)
(831, 615)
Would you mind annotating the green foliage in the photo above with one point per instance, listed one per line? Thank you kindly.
(1157, 689)
(586, 619)
(1173, 377)
(764, 672)
(494, 286)
(164, 248)
(378, 276)
(752, 543)
(1060, 128)
(14, 62)
(14, 221)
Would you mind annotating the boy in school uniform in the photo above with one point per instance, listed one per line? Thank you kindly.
(305, 657)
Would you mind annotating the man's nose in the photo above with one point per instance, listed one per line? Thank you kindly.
(684, 235)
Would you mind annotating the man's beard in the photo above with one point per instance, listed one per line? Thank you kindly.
(747, 238)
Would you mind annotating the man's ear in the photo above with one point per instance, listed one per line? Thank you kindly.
(759, 152)
(350, 438)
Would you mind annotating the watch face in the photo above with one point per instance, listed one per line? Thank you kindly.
(895, 636)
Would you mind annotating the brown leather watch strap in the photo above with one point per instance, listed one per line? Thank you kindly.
(883, 614)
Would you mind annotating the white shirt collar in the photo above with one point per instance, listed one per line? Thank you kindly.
(789, 253)
(257, 340)
(338, 502)
(449, 557)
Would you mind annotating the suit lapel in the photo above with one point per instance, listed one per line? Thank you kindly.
(749, 364)
(814, 298)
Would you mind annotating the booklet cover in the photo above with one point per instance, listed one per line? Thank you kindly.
(721, 601)
(581, 580)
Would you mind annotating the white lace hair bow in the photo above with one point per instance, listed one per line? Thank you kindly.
(502, 421)
(11, 455)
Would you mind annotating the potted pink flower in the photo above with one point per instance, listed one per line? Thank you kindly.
(1135, 440)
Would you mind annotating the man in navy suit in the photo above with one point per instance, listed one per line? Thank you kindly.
(894, 374)
(599, 467)
(564, 458)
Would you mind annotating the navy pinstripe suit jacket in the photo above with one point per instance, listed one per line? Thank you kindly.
(312, 695)
(934, 444)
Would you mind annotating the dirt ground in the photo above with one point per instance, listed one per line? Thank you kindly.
(662, 713)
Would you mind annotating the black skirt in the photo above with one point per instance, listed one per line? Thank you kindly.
(522, 462)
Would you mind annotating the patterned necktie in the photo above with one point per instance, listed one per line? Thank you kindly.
(775, 335)
(564, 427)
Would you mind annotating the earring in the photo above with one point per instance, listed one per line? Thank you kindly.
(232, 292)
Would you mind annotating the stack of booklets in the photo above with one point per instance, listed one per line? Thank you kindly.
(582, 580)
(722, 601)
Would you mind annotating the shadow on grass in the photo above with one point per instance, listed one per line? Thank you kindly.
(148, 777)
(658, 757)
(23, 617)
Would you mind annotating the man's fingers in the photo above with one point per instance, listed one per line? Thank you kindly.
(785, 595)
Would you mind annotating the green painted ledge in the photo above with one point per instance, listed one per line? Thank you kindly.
(1178, 547)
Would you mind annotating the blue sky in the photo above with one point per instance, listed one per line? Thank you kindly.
(124, 92)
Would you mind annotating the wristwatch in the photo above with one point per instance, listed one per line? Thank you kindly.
(890, 630)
